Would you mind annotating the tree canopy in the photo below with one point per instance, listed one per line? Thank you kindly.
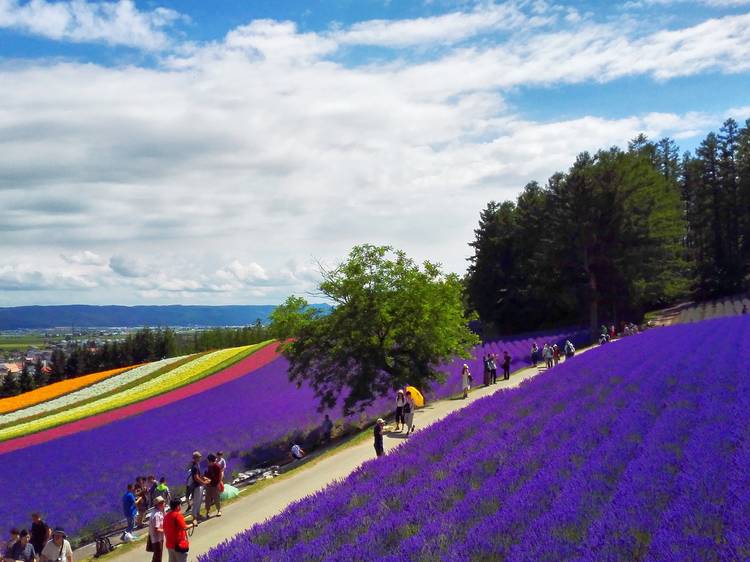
(393, 323)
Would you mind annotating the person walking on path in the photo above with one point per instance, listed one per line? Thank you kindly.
(213, 494)
(465, 380)
(534, 354)
(198, 482)
(547, 353)
(493, 368)
(40, 533)
(22, 549)
(175, 533)
(556, 354)
(486, 369)
(506, 365)
(400, 402)
(409, 408)
(129, 510)
(58, 549)
(569, 350)
(378, 434)
(156, 530)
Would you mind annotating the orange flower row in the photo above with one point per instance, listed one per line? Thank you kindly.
(56, 389)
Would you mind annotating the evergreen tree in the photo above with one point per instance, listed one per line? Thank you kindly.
(10, 385)
(25, 382)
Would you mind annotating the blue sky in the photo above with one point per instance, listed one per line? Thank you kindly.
(213, 152)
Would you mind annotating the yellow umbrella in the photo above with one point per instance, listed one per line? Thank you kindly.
(416, 396)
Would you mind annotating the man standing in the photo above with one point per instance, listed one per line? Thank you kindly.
(156, 529)
(22, 549)
(506, 365)
(327, 428)
(58, 549)
(40, 533)
(378, 432)
(175, 536)
(198, 483)
(129, 510)
(213, 494)
(493, 368)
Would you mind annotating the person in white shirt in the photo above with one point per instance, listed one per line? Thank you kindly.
(156, 529)
(58, 548)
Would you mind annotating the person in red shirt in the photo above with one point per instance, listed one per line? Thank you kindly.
(213, 493)
(175, 535)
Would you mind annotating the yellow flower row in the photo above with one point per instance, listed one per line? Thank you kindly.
(56, 389)
(189, 372)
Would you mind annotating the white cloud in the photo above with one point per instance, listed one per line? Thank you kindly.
(220, 175)
(84, 257)
(25, 277)
(114, 23)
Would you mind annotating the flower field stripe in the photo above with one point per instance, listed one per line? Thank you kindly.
(56, 389)
(101, 389)
(637, 450)
(196, 369)
(263, 356)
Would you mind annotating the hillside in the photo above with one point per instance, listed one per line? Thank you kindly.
(636, 450)
(88, 316)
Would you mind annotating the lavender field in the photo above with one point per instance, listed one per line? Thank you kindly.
(637, 450)
(250, 418)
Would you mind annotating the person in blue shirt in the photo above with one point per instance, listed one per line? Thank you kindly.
(130, 510)
(22, 549)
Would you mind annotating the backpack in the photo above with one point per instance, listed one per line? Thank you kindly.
(103, 546)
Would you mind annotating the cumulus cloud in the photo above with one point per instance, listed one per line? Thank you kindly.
(25, 277)
(221, 173)
(84, 257)
(79, 21)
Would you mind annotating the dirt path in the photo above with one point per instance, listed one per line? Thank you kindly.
(258, 506)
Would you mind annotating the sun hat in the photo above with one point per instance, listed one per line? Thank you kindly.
(197, 454)
(59, 531)
(381, 420)
(158, 499)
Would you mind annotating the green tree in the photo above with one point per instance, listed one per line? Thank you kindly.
(25, 382)
(393, 323)
(290, 318)
(10, 385)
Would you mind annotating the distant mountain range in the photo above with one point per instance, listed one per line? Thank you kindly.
(87, 316)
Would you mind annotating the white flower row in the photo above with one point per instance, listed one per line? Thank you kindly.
(96, 389)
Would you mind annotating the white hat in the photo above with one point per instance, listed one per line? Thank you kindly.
(158, 500)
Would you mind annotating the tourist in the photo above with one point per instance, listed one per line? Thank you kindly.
(568, 349)
(327, 427)
(297, 451)
(198, 482)
(612, 332)
(58, 549)
(40, 532)
(130, 510)
(409, 408)
(548, 355)
(21, 549)
(175, 535)
(465, 380)
(506, 365)
(14, 535)
(151, 489)
(534, 354)
(213, 493)
(486, 369)
(163, 490)
(222, 462)
(493, 368)
(156, 529)
(141, 493)
(400, 401)
(378, 433)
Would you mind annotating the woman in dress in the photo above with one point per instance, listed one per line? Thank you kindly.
(465, 380)
(409, 408)
(400, 402)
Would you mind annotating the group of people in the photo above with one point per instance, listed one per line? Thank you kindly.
(551, 353)
(40, 543)
(405, 406)
(169, 528)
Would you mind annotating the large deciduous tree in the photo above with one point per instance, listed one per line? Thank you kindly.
(393, 323)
